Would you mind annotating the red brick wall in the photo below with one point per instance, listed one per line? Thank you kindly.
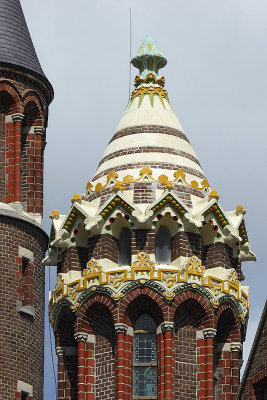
(143, 240)
(257, 377)
(75, 257)
(186, 245)
(220, 255)
(105, 366)
(103, 246)
(185, 383)
(30, 97)
(21, 344)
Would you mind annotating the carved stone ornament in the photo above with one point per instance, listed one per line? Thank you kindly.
(17, 117)
(209, 333)
(143, 261)
(236, 346)
(81, 337)
(167, 326)
(121, 328)
(59, 351)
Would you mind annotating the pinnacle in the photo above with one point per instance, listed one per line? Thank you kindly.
(149, 58)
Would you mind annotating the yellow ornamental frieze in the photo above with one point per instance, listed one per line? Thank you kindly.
(144, 269)
(147, 173)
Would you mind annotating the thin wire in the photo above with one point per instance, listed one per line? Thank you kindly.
(130, 67)
(51, 349)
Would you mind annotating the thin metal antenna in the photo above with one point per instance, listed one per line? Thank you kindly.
(130, 66)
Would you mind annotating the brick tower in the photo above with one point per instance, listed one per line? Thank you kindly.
(148, 302)
(25, 94)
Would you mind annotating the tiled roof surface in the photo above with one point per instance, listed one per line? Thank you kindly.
(16, 46)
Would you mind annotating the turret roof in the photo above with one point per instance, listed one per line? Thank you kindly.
(16, 47)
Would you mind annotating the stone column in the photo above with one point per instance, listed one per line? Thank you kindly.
(17, 120)
(121, 330)
(90, 368)
(235, 348)
(161, 362)
(167, 330)
(81, 338)
(60, 374)
(209, 334)
(38, 169)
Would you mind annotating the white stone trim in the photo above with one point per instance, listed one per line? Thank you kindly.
(236, 346)
(23, 387)
(29, 310)
(223, 347)
(39, 130)
(66, 351)
(209, 333)
(17, 117)
(199, 334)
(81, 336)
(121, 328)
(26, 254)
(167, 326)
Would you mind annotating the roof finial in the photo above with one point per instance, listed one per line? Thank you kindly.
(148, 58)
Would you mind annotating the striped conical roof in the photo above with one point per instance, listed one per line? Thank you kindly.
(149, 151)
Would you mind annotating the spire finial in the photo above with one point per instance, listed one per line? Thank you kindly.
(149, 59)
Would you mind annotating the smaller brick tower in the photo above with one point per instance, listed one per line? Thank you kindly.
(148, 302)
(25, 94)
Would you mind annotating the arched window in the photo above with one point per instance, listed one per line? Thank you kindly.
(163, 246)
(125, 256)
(145, 358)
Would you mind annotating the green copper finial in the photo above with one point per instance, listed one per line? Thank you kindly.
(148, 58)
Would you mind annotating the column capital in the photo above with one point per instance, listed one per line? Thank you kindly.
(81, 336)
(39, 130)
(121, 328)
(167, 326)
(209, 333)
(59, 351)
(17, 117)
(236, 346)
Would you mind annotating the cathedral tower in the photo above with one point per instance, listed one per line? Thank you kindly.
(25, 94)
(148, 302)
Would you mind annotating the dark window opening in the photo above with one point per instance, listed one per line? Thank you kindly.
(163, 246)
(24, 396)
(125, 249)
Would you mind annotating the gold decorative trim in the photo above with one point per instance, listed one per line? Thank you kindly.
(143, 269)
(76, 197)
(218, 214)
(138, 80)
(54, 215)
(240, 210)
(146, 172)
(151, 91)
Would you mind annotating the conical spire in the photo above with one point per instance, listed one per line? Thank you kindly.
(149, 59)
(16, 47)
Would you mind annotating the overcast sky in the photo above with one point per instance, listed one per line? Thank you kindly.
(216, 78)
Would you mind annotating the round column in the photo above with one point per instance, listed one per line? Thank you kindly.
(167, 330)
(81, 338)
(209, 334)
(17, 120)
(121, 330)
(235, 348)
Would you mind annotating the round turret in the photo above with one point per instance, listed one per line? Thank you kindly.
(148, 301)
(25, 95)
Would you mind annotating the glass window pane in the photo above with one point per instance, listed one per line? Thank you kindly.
(145, 348)
(145, 381)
